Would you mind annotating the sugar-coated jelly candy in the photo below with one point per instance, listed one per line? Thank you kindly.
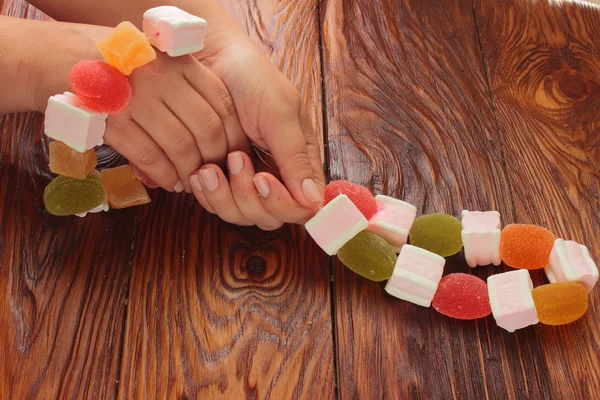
(462, 296)
(127, 48)
(100, 86)
(70, 163)
(369, 256)
(145, 179)
(560, 303)
(525, 246)
(123, 188)
(438, 233)
(362, 198)
(67, 196)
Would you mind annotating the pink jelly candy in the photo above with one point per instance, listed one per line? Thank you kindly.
(362, 198)
(100, 86)
(462, 296)
(145, 179)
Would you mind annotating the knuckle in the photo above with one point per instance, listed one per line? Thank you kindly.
(150, 156)
(184, 145)
(212, 128)
(226, 107)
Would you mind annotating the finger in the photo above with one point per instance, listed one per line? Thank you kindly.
(241, 172)
(211, 88)
(198, 192)
(172, 136)
(200, 119)
(297, 156)
(214, 186)
(130, 140)
(278, 201)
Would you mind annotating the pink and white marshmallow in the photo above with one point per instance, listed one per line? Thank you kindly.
(511, 300)
(70, 122)
(393, 221)
(174, 31)
(416, 275)
(571, 261)
(335, 224)
(481, 237)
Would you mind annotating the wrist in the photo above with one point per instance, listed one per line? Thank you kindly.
(59, 47)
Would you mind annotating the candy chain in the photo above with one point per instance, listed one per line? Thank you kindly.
(367, 241)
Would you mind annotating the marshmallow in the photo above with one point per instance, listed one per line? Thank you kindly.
(481, 237)
(392, 221)
(511, 300)
(571, 261)
(174, 31)
(416, 276)
(70, 122)
(335, 224)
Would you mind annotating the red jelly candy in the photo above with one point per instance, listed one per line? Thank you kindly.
(100, 86)
(145, 179)
(362, 198)
(462, 296)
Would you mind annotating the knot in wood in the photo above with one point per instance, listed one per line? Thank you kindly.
(256, 265)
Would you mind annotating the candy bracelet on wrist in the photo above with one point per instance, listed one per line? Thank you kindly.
(366, 232)
(77, 121)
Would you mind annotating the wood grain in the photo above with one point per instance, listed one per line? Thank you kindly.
(409, 114)
(543, 64)
(63, 281)
(218, 311)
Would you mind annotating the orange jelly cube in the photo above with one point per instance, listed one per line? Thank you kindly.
(127, 48)
(560, 303)
(525, 246)
(123, 188)
(70, 163)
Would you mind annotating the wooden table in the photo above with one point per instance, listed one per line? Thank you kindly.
(476, 104)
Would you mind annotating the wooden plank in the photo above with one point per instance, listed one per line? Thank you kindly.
(543, 64)
(217, 311)
(409, 115)
(63, 281)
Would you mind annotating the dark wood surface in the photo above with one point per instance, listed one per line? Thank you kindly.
(447, 105)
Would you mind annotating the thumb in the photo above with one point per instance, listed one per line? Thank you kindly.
(292, 142)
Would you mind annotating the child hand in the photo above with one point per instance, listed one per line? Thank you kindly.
(181, 115)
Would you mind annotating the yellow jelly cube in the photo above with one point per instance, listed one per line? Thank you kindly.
(123, 188)
(127, 48)
(70, 163)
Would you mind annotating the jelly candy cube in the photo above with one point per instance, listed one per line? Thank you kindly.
(481, 237)
(70, 163)
(392, 221)
(359, 195)
(571, 261)
(174, 31)
(127, 48)
(123, 188)
(369, 256)
(511, 300)
(67, 196)
(438, 233)
(335, 224)
(100, 86)
(462, 296)
(560, 303)
(526, 246)
(416, 275)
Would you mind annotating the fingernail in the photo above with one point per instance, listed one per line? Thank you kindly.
(195, 179)
(178, 187)
(209, 178)
(262, 185)
(310, 191)
(235, 163)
